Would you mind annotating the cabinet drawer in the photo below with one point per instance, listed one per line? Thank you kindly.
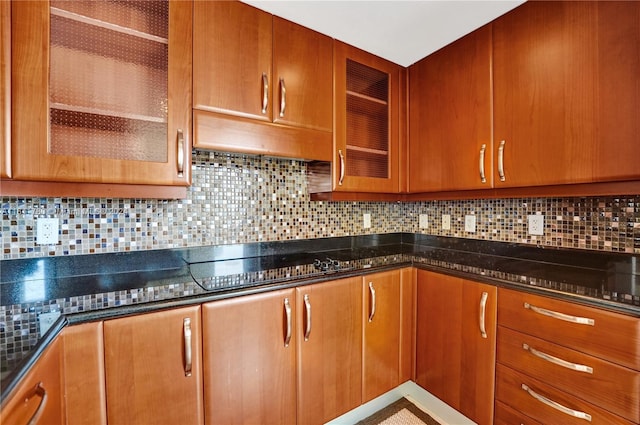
(602, 383)
(535, 399)
(600, 333)
(506, 415)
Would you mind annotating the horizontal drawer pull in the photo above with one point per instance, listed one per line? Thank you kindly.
(556, 360)
(575, 413)
(561, 316)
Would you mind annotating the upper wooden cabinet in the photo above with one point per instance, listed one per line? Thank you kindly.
(153, 366)
(367, 129)
(102, 92)
(566, 97)
(5, 89)
(262, 84)
(450, 146)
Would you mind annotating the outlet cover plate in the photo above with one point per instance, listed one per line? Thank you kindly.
(46, 320)
(470, 223)
(423, 221)
(536, 224)
(446, 222)
(366, 220)
(47, 231)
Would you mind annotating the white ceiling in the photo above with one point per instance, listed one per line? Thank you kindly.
(401, 31)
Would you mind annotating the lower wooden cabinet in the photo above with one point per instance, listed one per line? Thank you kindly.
(455, 342)
(38, 399)
(153, 368)
(249, 359)
(84, 380)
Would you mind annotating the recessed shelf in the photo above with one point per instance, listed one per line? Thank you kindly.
(367, 150)
(365, 97)
(97, 111)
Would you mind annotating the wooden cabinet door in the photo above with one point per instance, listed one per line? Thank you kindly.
(381, 333)
(84, 380)
(454, 360)
(302, 76)
(232, 45)
(5, 88)
(148, 374)
(367, 128)
(38, 399)
(450, 117)
(249, 353)
(101, 93)
(329, 326)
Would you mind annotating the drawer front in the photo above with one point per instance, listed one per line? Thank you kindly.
(600, 333)
(506, 415)
(600, 382)
(535, 399)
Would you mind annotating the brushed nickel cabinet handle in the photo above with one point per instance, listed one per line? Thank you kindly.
(557, 361)
(483, 309)
(501, 161)
(287, 312)
(265, 92)
(307, 306)
(39, 391)
(560, 316)
(483, 179)
(186, 330)
(340, 154)
(180, 160)
(372, 291)
(283, 97)
(575, 413)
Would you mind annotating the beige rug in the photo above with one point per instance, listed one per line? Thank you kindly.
(402, 412)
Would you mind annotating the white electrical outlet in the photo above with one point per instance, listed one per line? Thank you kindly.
(366, 221)
(423, 221)
(470, 223)
(446, 222)
(536, 224)
(46, 320)
(47, 231)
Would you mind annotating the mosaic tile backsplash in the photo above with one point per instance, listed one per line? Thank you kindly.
(239, 199)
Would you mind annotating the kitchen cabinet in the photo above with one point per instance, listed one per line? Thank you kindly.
(5, 89)
(249, 359)
(84, 374)
(38, 398)
(101, 92)
(566, 96)
(387, 319)
(329, 352)
(455, 342)
(367, 137)
(262, 84)
(153, 368)
(560, 362)
(450, 138)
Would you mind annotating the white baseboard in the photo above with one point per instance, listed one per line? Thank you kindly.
(426, 401)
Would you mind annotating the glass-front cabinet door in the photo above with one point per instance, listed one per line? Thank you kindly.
(367, 116)
(102, 91)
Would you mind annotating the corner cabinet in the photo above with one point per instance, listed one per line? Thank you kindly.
(262, 84)
(367, 131)
(102, 92)
(153, 368)
(456, 343)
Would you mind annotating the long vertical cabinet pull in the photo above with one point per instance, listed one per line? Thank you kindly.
(180, 153)
(39, 391)
(287, 312)
(307, 307)
(483, 178)
(501, 161)
(372, 291)
(341, 155)
(186, 328)
(265, 92)
(483, 310)
(283, 97)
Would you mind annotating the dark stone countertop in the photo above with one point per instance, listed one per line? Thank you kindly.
(129, 283)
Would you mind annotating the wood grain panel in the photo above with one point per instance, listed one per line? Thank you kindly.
(330, 361)
(249, 373)
(84, 379)
(506, 415)
(5, 88)
(407, 324)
